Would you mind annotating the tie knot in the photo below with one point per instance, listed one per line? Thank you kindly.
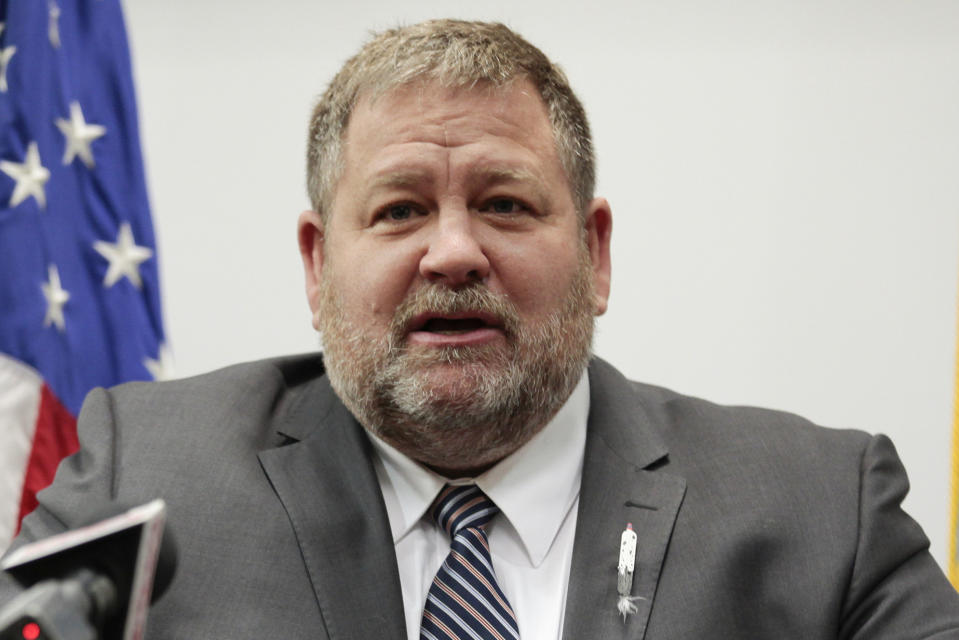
(459, 507)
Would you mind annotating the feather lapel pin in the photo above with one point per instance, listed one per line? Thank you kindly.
(624, 578)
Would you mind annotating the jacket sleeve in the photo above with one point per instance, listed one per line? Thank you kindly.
(896, 589)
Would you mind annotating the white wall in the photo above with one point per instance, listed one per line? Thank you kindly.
(784, 176)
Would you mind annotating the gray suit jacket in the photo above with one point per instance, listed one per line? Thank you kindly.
(751, 523)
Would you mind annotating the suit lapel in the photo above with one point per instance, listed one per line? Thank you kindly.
(620, 485)
(330, 492)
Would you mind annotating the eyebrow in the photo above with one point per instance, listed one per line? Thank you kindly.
(494, 176)
(399, 179)
(480, 177)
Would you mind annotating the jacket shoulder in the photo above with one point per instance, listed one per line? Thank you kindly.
(689, 423)
(244, 400)
(284, 372)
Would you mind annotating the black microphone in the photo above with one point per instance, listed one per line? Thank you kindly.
(92, 582)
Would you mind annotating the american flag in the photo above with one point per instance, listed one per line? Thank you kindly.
(79, 292)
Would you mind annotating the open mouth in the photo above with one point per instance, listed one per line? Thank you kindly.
(454, 324)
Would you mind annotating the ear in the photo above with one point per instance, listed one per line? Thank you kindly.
(309, 233)
(599, 227)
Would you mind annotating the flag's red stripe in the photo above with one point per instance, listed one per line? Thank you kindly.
(54, 439)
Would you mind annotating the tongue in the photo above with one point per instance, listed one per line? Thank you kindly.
(446, 325)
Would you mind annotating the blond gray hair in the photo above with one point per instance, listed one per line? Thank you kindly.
(455, 53)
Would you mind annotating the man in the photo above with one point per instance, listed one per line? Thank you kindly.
(455, 257)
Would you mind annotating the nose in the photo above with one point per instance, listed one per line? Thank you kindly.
(455, 256)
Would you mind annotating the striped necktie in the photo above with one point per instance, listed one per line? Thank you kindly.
(464, 601)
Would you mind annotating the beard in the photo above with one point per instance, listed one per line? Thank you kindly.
(459, 410)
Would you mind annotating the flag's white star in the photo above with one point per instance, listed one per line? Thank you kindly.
(162, 367)
(5, 54)
(124, 256)
(78, 135)
(56, 297)
(53, 30)
(30, 176)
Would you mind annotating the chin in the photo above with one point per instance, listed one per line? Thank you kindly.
(457, 382)
(462, 392)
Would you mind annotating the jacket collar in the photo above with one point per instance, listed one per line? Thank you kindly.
(325, 479)
(327, 484)
(624, 481)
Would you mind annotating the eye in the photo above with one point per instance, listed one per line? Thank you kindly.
(504, 205)
(398, 212)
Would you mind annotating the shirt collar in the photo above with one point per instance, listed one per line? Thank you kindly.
(534, 487)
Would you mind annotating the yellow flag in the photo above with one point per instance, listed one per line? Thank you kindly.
(954, 503)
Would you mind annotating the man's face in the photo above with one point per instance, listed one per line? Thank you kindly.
(453, 282)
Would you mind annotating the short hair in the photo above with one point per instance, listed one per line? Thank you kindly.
(456, 53)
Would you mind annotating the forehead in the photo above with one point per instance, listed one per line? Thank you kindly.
(414, 120)
(435, 99)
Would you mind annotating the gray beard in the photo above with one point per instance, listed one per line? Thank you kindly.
(502, 396)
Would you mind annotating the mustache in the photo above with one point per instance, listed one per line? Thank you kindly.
(440, 299)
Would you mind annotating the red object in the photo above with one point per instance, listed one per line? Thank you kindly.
(54, 439)
(31, 631)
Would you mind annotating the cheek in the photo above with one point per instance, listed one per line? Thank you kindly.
(537, 277)
(373, 281)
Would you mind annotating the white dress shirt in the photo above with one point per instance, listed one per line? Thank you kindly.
(531, 540)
